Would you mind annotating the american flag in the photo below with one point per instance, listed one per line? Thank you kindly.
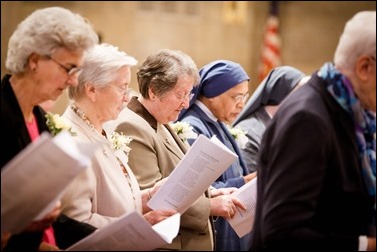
(270, 55)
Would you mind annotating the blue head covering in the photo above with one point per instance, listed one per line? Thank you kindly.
(216, 78)
(272, 90)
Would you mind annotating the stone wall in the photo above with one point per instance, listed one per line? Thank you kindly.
(205, 30)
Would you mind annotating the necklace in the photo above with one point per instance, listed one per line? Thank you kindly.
(87, 121)
(128, 181)
(82, 116)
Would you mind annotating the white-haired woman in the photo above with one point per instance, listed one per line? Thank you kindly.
(109, 189)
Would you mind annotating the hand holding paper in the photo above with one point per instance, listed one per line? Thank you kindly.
(130, 233)
(243, 221)
(205, 161)
(34, 180)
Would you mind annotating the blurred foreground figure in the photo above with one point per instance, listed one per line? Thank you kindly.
(317, 176)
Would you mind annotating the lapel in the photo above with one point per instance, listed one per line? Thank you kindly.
(183, 146)
(170, 142)
(135, 106)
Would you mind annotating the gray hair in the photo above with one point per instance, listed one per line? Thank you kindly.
(99, 68)
(161, 70)
(358, 38)
(46, 30)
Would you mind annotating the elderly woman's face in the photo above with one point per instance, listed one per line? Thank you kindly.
(112, 98)
(229, 104)
(167, 107)
(53, 73)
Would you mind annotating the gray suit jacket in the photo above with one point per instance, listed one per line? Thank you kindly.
(153, 156)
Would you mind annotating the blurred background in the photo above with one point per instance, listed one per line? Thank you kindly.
(256, 34)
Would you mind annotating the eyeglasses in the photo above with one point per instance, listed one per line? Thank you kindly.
(181, 97)
(69, 70)
(123, 90)
(240, 98)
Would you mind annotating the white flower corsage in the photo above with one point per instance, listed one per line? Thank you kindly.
(184, 130)
(120, 142)
(57, 124)
(239, 136)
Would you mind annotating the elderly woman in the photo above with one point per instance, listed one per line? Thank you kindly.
(262, 106)
(166, 79)
(44, 56)
(218, 99)
(109, 189)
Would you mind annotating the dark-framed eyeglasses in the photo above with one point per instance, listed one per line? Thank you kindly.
(69, 70)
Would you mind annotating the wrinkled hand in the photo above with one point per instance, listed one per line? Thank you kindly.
(225, 206)
(47, 221)
(222, 191)
(156, 216)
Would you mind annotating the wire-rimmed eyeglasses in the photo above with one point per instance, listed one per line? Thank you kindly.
(240, 98)
(182, 97)
(126, 91)
(69, 70)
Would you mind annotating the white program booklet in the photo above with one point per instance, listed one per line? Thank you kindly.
(130, 233)
(243, 221)
(34, 180)
(205, 161)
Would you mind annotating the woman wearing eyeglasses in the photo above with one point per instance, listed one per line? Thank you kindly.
(43, 39)
(219, 98)
(165, 80)
(108, 189)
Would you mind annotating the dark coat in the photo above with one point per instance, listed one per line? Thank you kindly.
(311, 193)
(14, 138)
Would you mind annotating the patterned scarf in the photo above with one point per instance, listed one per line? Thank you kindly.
(364, 121)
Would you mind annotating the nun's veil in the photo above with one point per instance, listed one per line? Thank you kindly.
(216, 78)
(272, 90)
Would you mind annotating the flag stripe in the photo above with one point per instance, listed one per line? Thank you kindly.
(270, 53)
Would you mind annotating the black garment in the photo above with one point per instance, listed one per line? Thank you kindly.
(254, 125)
(68, 231)
(25, 241)
(254, 119)
(310, 188)
(14, 138)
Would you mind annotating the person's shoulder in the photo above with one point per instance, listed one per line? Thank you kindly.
(193, 119)
(251, 125)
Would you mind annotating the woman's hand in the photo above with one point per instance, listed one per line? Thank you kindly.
(156, 216)
(225, 206)
(47, 221)
(222, 191)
